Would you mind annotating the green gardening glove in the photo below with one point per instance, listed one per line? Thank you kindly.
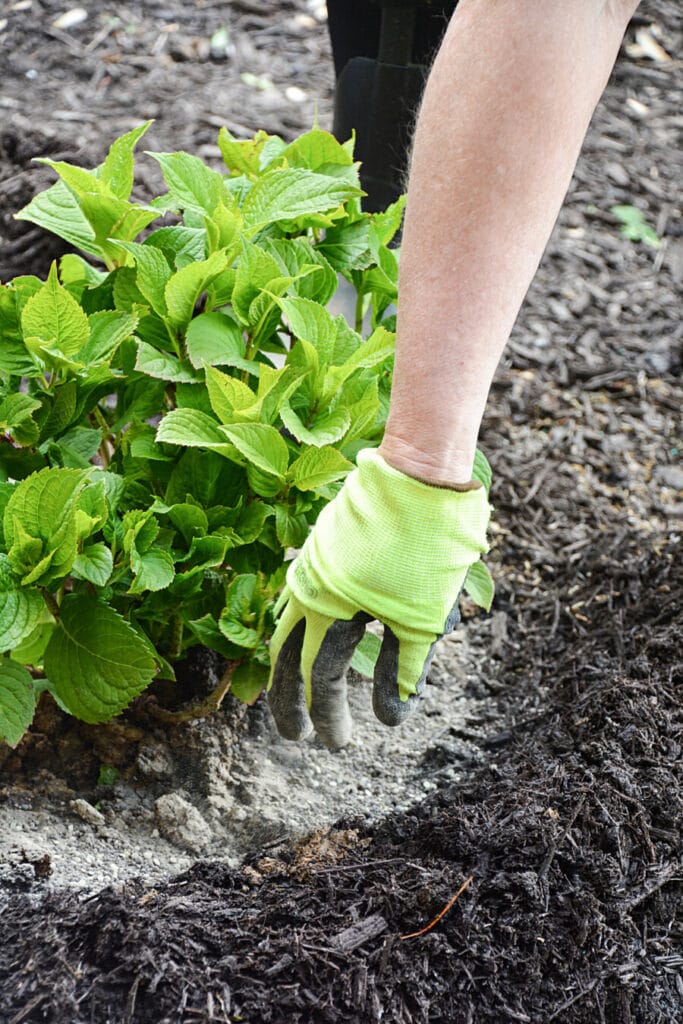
(390, 548)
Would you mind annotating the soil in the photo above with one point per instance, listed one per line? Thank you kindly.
(545, 762)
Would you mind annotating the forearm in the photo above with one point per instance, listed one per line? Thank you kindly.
(504, 114)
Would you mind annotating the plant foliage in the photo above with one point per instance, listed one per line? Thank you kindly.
(176, 409)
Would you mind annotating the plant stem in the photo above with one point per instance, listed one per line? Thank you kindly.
(176, 638)
(359, 311)
(50, 601)
(205, 708)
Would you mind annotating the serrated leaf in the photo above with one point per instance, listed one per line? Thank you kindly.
(54, 316)
(241, 156)
(152, 274)
(16, 418)
(310, 322)
(255, 271)
(77, 447)
(94, 564)
(186, 285)
(237, 633)
(191, 184)
(57, 210)
(215, 339)
(180, 245)
(42, 508)
(291, 529)
(318, 467)
(324, 430)
(227, 394)
(366, 654)
(108, 330)
(95, 661)
(153, 570)
(288, 193)
(18, 700)
(162, 365)
(316, 149)
(347, 247)
(479, 585)
(117, 170)
(261, 445)
(20, 608)
(31, 650)
(192, 428)
(74, 269)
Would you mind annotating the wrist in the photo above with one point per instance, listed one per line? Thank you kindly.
(441, 467)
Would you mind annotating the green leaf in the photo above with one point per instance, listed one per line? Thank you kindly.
(153, 570)
(75, 270)
(255, 271)
(291, 529)
(108, 330)
(95, 662)
(57, 210)
(63, 409)
(94, 564)
(40, 523)
(248, 681)
(77, 447)
(325, 429)
(152, 274)
(310, 322)
(186, 285)
(261, 445)
(318, 467)
(191, 428)
(16, 418)
(227, 394)
(31, 650)
(162, 365)
(215, 339)
(366, 654)
(481, 470)
(191, 184)
(347, 247)
(635, 227)
(288, 193)
(316, 149)
(18, 700)
(117, 170)
(479, 585)
(20, 608)
(180, 245)
(242, 157)
(361, 399)
(54, 316)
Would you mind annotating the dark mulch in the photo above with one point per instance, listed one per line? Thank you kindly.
(572, 831)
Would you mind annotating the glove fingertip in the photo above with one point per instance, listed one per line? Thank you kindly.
(386, 692)
(286, 691)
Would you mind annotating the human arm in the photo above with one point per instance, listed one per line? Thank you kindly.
(504, 113)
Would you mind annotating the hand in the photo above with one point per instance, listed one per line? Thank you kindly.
(390, 548)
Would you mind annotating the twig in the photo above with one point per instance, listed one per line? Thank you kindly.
(368, 864)
(574, 999)
(427, 928)
(543, 870)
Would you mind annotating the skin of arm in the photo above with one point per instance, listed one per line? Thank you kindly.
(505, 111)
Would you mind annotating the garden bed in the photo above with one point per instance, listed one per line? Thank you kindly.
(546, 760)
